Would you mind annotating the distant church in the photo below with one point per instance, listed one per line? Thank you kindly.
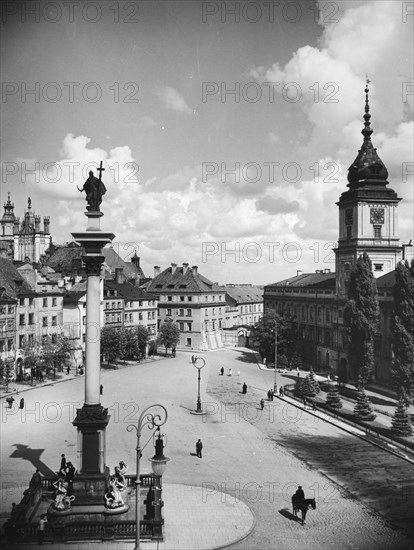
(25, 241)
(368, 222)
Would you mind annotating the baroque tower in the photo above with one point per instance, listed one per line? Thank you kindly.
(367, 213)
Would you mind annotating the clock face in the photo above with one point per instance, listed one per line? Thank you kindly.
(349, 216)
(377, 215)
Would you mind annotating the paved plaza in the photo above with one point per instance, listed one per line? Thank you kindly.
(253, 460)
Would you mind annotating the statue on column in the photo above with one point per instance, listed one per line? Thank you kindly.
(94, 189)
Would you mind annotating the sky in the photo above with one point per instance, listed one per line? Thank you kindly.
(225, 128)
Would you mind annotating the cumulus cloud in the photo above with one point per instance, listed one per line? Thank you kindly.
(171, 99)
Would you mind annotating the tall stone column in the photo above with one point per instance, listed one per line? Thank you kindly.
(91, 420)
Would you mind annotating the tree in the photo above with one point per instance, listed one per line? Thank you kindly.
(333, 398)
(142, 337)
(110, 344)
(402, 328)
(400, 422)
(168, 335)
(313, 382)
(363, 409)
(361, 317)
(286, 337)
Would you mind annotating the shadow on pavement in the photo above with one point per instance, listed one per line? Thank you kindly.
(285, 513)
(33, 456)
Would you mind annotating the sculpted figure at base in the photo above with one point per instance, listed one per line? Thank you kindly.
(62, 500)
(113, 498)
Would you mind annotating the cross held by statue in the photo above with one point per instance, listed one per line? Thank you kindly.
(100, 170)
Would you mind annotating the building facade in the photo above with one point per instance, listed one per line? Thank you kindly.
(195, 304)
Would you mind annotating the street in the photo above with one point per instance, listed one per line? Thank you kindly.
(259, 457)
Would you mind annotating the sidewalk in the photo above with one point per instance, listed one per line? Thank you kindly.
(197, 518)
(15, 388)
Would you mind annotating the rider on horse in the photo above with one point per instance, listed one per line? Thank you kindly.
(299, 495)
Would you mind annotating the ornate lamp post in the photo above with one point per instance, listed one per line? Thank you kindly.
(195, 360)
(274, 384)
(159, 461)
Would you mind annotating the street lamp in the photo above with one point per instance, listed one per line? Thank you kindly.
(195, 359)
(274, 384)
(159, 461)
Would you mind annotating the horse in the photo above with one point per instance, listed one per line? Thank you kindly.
(303, 505)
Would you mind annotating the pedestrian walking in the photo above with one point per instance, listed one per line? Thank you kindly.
(62, 469)
(36, 480)
(199, 448)
(41, 529)
(281, 392)
(262, 404)
(173, 353)
(244, 387)
(40, 375)
(268, 395)
(21, 406)
(68, 370)
(272, 393)
(222, 371)
(101, 389)
(230, 373)
(264, 361)
(10, 401)
(297, 371)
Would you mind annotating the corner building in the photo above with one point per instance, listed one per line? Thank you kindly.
(368, 222)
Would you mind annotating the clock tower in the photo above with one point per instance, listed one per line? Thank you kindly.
(367, 213)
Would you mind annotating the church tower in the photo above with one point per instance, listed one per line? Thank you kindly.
(367, 213)
(7, 221)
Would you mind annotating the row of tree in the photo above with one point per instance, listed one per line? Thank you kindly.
(131, 343)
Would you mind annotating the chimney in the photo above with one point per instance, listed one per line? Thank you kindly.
(119, 276)
(195, 269)
(157, 270)
(173, 268)
(37, 224)
(327, 270)
(46, 224)
(299, 272)
(185, 268)
(61, 283)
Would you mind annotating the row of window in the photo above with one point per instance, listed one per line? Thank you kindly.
(190, 298)
(251, 308)
(45, 302)
(9, 310)
(118, 305)
(307, 313)
(31, 320)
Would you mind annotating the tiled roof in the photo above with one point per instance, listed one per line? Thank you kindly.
(127, 291)
(167, 281)
(114, 260)
(386, 281)
(11, 280)
(311, 280)
(73, 297)
(65, 257)
(242, 294)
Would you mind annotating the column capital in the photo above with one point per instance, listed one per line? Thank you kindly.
(93, 264)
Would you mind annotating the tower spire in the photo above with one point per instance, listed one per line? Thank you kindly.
(367, 168)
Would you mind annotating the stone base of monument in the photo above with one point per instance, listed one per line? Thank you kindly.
(91, 512)
(90, 488)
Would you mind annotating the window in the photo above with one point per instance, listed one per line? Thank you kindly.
(44, 322)
(327, 315)
(319, 314)
(21, 301)
(219, 323)
(206, 312)
(190, 298)
(31, 339)
(378, 267)
(54, 338)
(54, 321)
(31, 301)
(9, 345)
(149, 315)
(168, 311)
(219, 310)
(188, 342)
(139, 316)
(113, 305)
(188, 312)
(21, 319)
(181, 312)
(214, 298)
(153, 314)
(54, 302)
(31, 318)
(181, 326)
(2, 346)
(119, 305)
(182, 298)
(44, 302)
(189, 325)
(21, 341)
(2, 310)
(377, 232)
(169, 298)
(11, 309)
